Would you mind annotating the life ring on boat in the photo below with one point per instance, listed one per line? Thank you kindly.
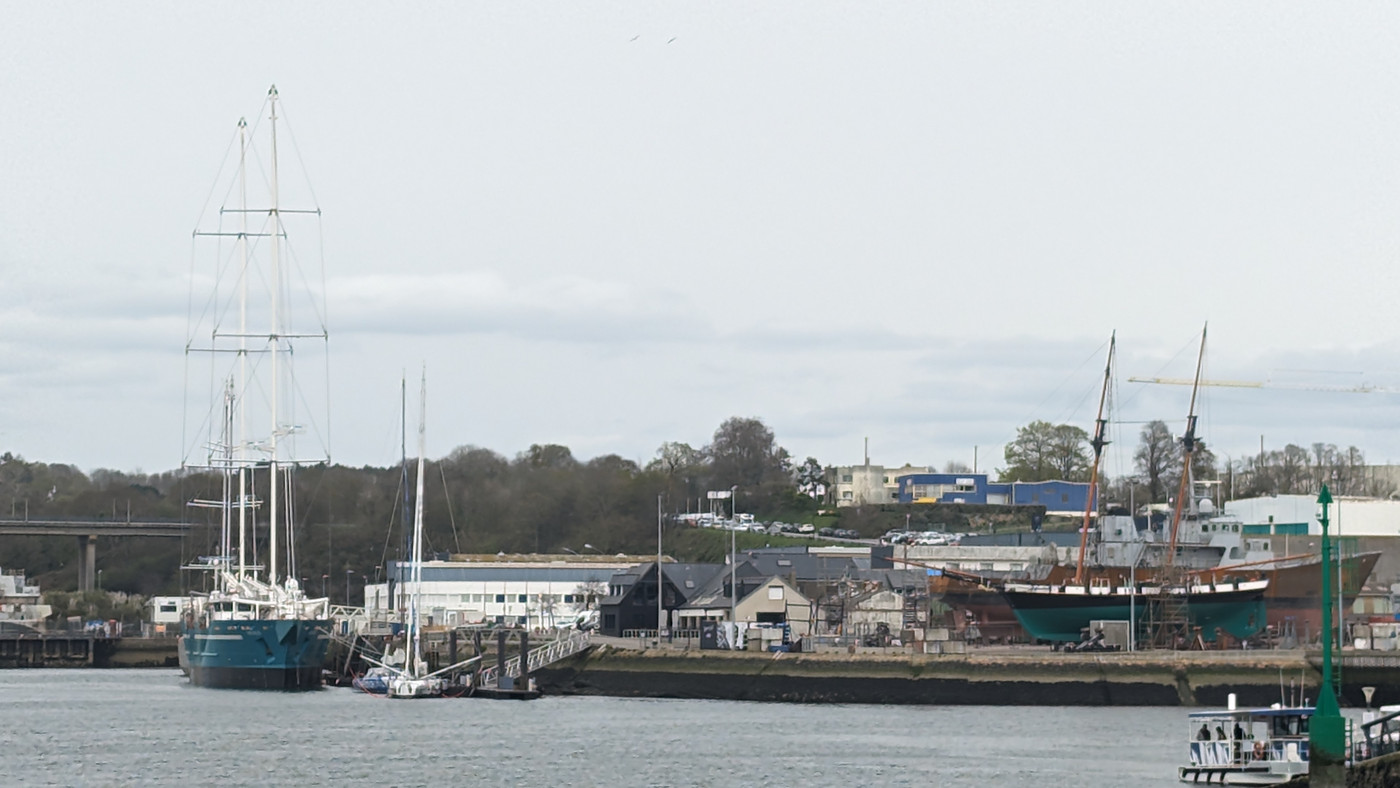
(1259, 751)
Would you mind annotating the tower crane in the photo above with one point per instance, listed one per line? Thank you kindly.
(1364, 388)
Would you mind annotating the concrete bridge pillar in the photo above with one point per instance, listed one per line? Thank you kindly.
(87, 563)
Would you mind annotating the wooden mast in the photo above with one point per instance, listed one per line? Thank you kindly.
(1188, 448)
(1098, 443)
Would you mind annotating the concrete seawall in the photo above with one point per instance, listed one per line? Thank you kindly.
(143, 653)
(1040, 678)
(63, 650)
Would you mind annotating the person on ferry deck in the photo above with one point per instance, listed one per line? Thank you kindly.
(1204, 733)
(1220, 732)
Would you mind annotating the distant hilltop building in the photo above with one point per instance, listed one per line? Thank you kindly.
(863, 485)
(1058, 497)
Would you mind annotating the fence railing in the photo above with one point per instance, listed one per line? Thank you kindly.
(545, 654)
(1379, 737)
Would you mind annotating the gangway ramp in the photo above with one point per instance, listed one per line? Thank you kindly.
(546, 654)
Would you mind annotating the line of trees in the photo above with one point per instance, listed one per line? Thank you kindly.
(545, 500)
(351, 520)
(1044, 451)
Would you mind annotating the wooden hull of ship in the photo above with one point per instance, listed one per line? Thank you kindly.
(983, 602)
(1064, 617)
(1292, 601)
(1294, 597)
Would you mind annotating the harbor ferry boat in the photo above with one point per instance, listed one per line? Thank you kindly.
(1247, 746)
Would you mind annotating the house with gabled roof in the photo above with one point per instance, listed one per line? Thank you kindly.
(630, 603)
(771, 600)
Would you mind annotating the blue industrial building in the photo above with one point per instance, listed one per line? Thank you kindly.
(1055, 496)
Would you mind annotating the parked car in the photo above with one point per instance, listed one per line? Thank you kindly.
(806, 528)
(827, 531)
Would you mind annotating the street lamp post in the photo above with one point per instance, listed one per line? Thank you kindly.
(716, 496)
(660, 606)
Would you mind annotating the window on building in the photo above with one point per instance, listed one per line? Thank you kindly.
(887, 480)
(521, 620)
(466, 597)
(568, 599)
(520, 597)
(964, 488)
(167, 607)
(846, 495)
(846, 478)
(500, 598)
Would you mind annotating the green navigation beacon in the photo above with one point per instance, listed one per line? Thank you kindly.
(1327, 735)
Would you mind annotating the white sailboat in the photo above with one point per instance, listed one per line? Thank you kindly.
(414, 680)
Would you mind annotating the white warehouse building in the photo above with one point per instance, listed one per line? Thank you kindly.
(1299, 513)
(527, 591)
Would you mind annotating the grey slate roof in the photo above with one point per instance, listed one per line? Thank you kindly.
(687, 578)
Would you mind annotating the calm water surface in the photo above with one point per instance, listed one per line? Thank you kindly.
(149, 727)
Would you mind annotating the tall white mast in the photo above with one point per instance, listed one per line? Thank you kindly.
(242, 389)
(226, 513)
(274, 473)
(416, 556)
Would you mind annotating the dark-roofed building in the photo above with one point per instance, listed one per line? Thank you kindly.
(814, 575)
(630, 603)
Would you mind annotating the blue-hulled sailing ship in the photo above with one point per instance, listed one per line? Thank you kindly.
(254, 626)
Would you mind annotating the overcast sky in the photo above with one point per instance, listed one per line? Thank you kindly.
(609, 226)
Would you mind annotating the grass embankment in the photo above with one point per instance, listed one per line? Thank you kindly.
(874, 521)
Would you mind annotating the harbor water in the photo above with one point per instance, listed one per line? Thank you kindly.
(150, 727)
